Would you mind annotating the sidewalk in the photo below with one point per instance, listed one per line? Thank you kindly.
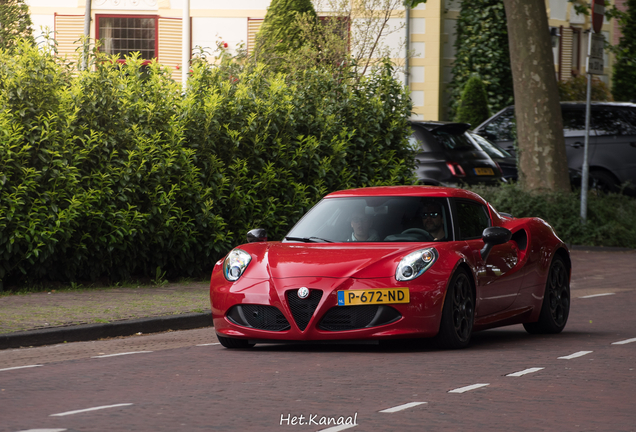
(80, 315)
(88, 314)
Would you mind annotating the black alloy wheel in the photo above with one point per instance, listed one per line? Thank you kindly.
(234, 343)
(556, 301)
(458, 313)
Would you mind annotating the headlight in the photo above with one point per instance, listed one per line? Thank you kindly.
(414, 264)
(235, 264)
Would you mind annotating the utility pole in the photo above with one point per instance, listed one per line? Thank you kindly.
(87, 33)
(185, 39)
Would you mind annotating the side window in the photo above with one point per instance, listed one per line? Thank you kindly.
(472, 219)
(573, 122)
(610, 122)
(503, 128)
(418, 142)
(629, 115)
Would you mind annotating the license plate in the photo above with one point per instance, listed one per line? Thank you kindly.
(375, 296)
(484, 171)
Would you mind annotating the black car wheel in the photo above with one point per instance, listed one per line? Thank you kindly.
(602, 182)
(458, 313)
(556, 301)
(234, 343)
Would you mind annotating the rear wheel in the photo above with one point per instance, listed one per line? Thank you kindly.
(556, 301)
(602, 183)
(458, 313)
(234, 343)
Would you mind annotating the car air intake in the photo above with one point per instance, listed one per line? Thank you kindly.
(341, 318)
(303, 309)
(259, 317)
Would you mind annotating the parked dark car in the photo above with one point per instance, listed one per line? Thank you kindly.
(446, 155)
(612, 143)
(506, 161)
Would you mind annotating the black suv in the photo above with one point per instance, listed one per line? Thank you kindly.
(612, 151)
(447, 156)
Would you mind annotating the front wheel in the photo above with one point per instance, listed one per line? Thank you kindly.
(234, 343)
(458, 313)
(556, 301)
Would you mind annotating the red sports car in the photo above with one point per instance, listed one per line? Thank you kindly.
(393, 262)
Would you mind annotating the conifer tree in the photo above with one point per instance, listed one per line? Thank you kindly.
(624, 79)
(473, 107)
(280, 32)
(15, 23)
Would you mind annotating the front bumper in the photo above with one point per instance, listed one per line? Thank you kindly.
(270, 309)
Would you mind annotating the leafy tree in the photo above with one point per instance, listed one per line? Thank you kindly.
(482, 48)
(624, 79)
(473, 107)
(15, 23)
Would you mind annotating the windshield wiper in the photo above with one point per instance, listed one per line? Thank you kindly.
(309, 239)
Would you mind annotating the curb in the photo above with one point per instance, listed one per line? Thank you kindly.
(600, 248)
(88, 332)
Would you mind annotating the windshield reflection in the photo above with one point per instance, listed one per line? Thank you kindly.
(374, 219)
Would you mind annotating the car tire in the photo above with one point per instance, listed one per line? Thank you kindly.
(234, 343)
(603, 182)
(458, 313)
(555, 308)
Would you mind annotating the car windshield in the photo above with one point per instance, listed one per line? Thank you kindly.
(492, 150)
(374, 219)
(454, 141)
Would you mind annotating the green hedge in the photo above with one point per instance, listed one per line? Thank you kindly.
(113, 172)
(611, 219)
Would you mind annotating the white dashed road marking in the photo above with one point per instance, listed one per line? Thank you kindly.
(120, 354)
(468, 388)
(402, 407)
(623, 342)
(89, 409)
(19, 367)
(575, 355)
(43, 430)
(217, 343)
(525, 371)
(337, 428)
(597, 295)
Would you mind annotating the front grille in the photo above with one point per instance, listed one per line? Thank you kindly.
(303, 309)
(341, 318)
(258, 316)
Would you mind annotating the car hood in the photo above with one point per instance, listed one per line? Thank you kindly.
(342, 260)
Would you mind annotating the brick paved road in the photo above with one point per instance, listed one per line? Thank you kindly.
(180, 386)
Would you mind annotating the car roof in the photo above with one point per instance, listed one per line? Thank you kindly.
(597, 103)
(452, 127)
(416, 191)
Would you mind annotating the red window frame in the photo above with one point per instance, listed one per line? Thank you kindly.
(155, 17)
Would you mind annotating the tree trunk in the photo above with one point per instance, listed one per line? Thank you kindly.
(541, 148)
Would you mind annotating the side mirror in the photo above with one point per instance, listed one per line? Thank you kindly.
(257, 235)
(493, 236)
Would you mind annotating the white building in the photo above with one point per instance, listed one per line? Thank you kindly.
(153, 27)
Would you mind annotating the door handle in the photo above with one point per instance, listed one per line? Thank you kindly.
(577, 144)
(632, 144)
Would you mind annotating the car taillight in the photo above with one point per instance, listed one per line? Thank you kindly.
(456, 169)
(498, 167)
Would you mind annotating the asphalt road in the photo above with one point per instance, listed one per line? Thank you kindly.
(581, 380)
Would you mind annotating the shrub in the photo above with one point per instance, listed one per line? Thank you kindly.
(575, 89)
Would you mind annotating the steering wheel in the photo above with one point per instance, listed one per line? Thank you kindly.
(419, 231)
